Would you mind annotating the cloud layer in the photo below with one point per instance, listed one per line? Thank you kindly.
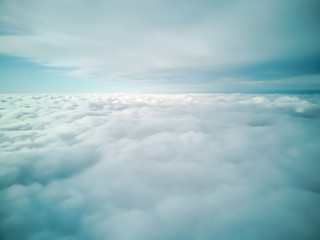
(166, 41)
(131, 167)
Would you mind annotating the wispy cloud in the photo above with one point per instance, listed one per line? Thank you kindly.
(113, 40)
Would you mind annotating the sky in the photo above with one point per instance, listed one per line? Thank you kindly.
(159, 46)
(159, 166)
(90, 150)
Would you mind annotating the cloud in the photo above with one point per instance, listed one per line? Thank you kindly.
(95, 166)
(156, 40)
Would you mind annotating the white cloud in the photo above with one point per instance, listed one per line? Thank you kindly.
(132, 167)
(145, 39)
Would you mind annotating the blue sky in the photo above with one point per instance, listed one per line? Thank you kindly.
(159, 46)
(18, 75)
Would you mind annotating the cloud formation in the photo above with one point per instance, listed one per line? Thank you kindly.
(165, 40)
(132, 167)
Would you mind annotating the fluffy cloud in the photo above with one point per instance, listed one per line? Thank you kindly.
(159, 166)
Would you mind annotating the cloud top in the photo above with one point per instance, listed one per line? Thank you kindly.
(135, 166)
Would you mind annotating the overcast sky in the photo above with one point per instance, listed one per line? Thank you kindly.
(159, 46)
